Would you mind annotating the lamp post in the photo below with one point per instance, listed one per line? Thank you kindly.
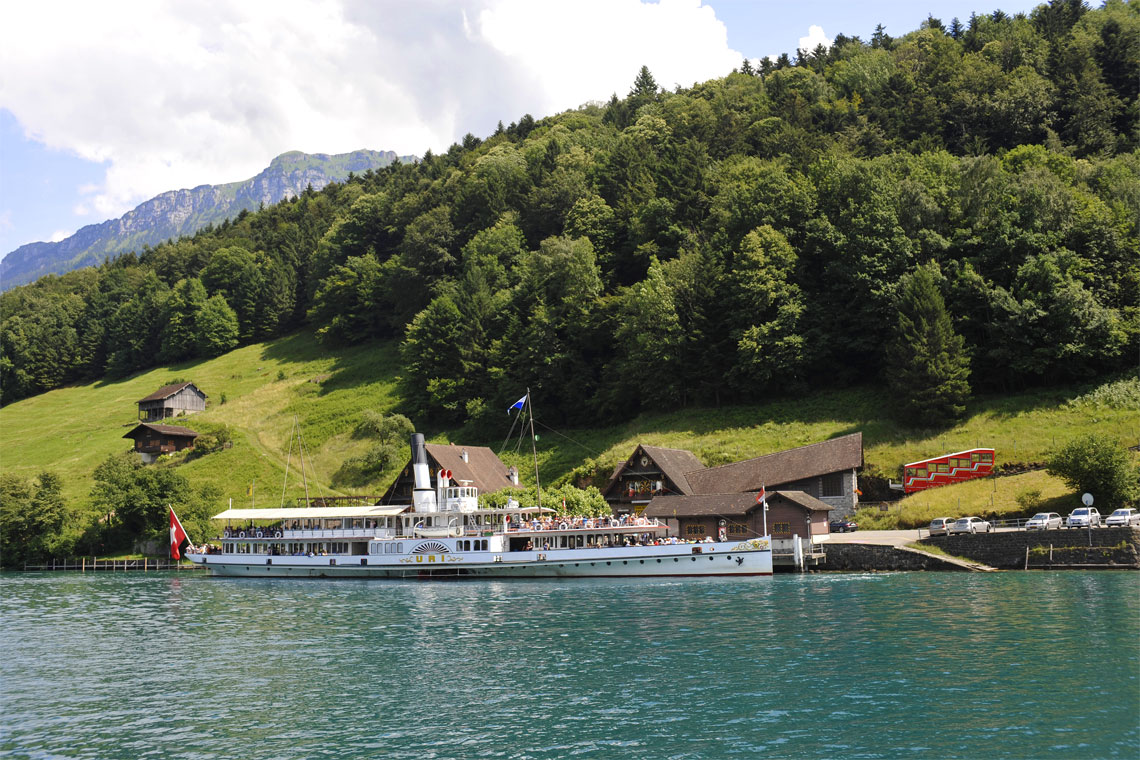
(1087, 500)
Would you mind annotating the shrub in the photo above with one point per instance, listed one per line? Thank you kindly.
(1099, 465)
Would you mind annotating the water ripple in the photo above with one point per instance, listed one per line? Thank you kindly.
(852, 666)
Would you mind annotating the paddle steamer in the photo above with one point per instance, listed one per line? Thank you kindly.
(445, 533)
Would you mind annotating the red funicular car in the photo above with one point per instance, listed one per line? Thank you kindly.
(948, 468)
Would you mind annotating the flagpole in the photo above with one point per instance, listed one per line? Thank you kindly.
(764, 499)
(534, 450)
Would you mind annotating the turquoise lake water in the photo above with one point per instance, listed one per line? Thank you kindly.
(914, 665)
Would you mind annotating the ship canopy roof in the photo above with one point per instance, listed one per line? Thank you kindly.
(301, 513)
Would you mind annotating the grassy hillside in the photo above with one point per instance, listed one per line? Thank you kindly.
(266, 386)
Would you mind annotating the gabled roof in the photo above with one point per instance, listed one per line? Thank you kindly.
(673, 463)
(167, 391)
(175, 431)
(726, 504)
(836, 455)
(483, 468)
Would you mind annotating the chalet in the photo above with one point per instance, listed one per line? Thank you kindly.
(172, 401)
(825, 471)
(151, 441)
(469, 465)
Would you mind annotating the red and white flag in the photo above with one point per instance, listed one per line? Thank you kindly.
(178, 537)
(762, 496)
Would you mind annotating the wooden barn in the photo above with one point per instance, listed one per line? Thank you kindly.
(152, 441)
(470, 465)
(172, 401)
(825, 471)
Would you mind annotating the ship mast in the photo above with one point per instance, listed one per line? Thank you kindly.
(534, 449)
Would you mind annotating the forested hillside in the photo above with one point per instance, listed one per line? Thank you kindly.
(954, 210)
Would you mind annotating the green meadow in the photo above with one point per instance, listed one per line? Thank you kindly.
(267, 392)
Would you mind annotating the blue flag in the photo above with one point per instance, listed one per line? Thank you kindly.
(517, 405)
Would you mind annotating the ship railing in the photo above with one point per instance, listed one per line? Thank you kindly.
(278, 534)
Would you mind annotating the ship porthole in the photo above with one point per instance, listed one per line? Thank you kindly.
(658, 561)
(641, 561)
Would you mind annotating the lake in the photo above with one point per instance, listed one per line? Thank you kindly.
(917, 665)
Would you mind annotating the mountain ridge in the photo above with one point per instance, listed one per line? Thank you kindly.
(175, 213)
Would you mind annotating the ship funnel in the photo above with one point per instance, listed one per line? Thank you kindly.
(423, 495)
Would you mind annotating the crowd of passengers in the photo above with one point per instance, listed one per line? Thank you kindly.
(642, 540)
(578, 523)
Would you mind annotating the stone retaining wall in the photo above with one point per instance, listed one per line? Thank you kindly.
(1110, 546)
(879, 557)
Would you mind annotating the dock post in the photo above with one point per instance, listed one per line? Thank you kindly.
(1027, 556)
(144, 564)
(84, 562)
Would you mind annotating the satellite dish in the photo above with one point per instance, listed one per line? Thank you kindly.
(1087, 500)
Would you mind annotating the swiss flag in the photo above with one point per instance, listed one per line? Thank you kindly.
(178, 537)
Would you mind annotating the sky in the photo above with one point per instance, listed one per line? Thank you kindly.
(104, 105)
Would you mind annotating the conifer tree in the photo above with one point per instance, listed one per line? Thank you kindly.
(929, 368)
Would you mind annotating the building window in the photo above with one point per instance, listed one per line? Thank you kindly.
(831, 485)
(737, 529)
(694, 530)
(781, 527)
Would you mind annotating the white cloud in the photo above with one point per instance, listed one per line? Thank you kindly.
(815, 36)
(175, 94)
(59, 235)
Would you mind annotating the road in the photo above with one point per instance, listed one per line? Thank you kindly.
(888, 537)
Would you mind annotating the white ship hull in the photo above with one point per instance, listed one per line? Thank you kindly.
(752, 557)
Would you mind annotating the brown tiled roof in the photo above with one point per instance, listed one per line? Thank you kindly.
(171, 430)
(737, 504)
(725, 504)
(483, 468)
(807, 501)
(167, 391)
(836, 455)
(674, 464)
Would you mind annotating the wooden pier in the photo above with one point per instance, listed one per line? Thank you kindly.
(93, 564)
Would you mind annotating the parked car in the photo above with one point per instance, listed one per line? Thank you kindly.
(940, 526)
(1083, 517)
(970, 525)
(1123, 518)
(843, 525)
(1045, 521)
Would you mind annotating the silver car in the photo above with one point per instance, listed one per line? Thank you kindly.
(940, 526)
(1083, 517)
(1123, 518)
(970, 525)
(1044, 521)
